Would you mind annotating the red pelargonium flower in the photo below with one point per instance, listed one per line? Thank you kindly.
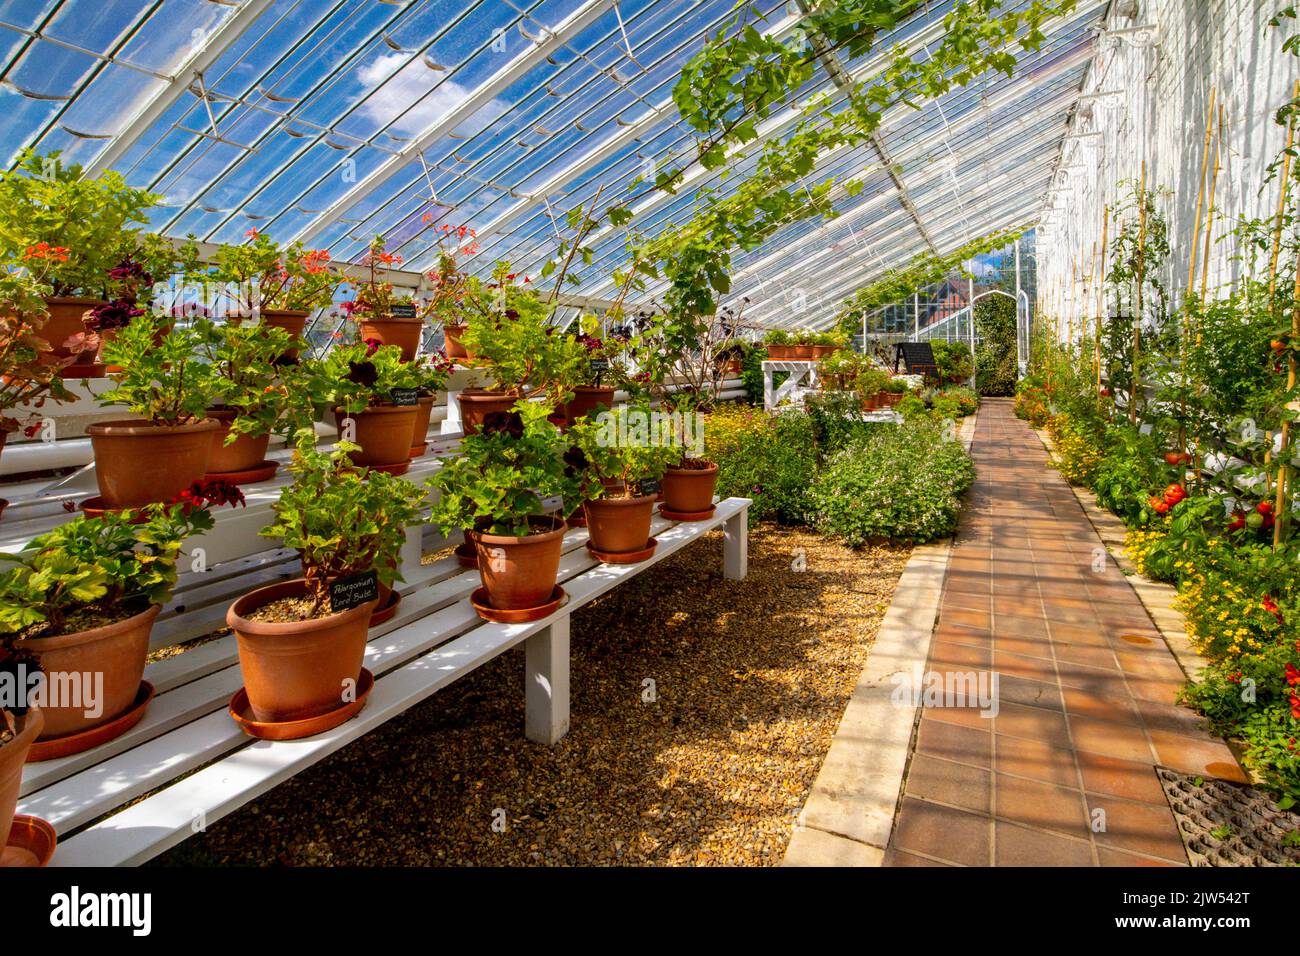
(372, 345)
(1292, 675)
(1295, 705)
(1271, 606)
(252, 233)
(47, 252)
(209, 491)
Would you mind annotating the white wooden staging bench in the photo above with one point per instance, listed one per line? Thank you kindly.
(188, 755)
(196, 765)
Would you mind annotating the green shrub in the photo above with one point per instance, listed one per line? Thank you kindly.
(895, 482)
(770, 459)
(836, 420)
(1127, 473)
(995, 356)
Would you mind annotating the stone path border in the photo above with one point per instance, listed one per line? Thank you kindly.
(849, 814)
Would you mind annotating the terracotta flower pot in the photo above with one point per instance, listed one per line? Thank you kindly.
(778, 353)
(297, 669)
(383, 432)
(620, 525)
(420, 433)
(819, 352)
(245, 452)
(117, 651)
(137, 463)
(292, 321)
(689, 490)
(802, 351)
(404, 333)
(66, 319)
(586, 399)
(520, 572)
(455, 348)
(12, 757)
(478, 404)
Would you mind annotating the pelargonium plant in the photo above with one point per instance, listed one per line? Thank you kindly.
(247, 374)
(90, 572)
(70, 232)
(344, 520)
(360, 375)
(159, 377)
(621, 449)
(25, 380)
(260, 275)
(502, 478)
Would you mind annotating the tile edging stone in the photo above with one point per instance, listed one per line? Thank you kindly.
(849, 815)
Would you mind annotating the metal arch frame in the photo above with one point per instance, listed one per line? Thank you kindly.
(509, 74)
(231, 29)
(1044, 139)
(1000, 216)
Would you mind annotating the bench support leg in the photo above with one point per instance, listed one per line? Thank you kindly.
(735, 546)
(546, 675)
(452, 423)
(412, 551)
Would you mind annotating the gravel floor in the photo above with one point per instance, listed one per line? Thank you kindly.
(708, 764)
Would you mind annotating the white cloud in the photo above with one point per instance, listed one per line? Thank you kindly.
(402, 89)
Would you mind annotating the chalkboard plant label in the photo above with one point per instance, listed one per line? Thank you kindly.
(403, 310)
(353, 590)
(599, 365)
(650, 486)
(406, 396)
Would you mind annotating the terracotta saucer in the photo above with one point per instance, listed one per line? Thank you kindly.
(85, 370)
(86, 739)
(688, 515)
(520, 615)
(31, 843)
(466, 555)
(624, 557)
(386, 612)
(306, 726)
(96, 508)
(420, 449)
(401, 468)
(263, 471)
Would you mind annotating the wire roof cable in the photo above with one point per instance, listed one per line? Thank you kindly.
(325, 83)
(597, 72)
(183, 154)
(531, 238)
(124, 37)
(582, 17)
(359, 142)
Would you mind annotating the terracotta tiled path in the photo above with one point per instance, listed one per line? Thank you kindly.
(1065, 773)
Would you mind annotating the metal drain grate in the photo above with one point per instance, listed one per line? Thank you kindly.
(1225, 824)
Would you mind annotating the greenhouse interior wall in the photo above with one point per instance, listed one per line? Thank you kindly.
(1146, 100)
